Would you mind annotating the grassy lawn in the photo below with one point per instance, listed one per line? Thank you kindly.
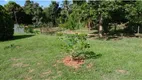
(40, 57)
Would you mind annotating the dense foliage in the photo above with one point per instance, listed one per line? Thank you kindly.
(105, 16)
(52, 14)
(16, 11)
(34, 13)
(6, 25)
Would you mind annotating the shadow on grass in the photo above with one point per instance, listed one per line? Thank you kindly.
(21, 37)
(89, 55)
(114, 38)
(17, 37)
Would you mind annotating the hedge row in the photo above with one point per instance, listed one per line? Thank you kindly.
(6, 25)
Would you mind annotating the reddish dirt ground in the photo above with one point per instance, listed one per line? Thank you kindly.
(68, 61)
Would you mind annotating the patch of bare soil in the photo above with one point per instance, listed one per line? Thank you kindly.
(68, 61)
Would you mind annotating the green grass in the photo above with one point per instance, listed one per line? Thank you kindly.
(35, 57)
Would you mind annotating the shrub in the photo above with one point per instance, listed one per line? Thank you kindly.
(72, 23)
(29, 29)
(75, 44)
(36, 31)
(59, 34)
(6, 25)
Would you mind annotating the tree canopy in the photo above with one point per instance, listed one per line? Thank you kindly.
(16, 11)
(100, 14)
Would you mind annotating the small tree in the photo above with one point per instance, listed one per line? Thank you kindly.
(75, 44)
(38, 15)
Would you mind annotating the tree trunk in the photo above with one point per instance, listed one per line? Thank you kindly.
(89, 25)
(138, 29)
(41, 30)
(115, 25)
(100, 30)
(15, 17)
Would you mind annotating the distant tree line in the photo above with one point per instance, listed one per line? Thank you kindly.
(105, 16)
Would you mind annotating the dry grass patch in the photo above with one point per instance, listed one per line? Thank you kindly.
(20, 64)
(122, 71)
(43, 74)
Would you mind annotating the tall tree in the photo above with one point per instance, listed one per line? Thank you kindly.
(28, 9)
(108, 12)
(78, 2)
(65, 11)
(52, 13)
(16, 11)
(37, 15)
(34, 13)
(134, 15)
(102, 8)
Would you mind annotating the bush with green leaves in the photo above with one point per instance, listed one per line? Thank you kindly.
(36, 31)
(6, 25)
(72, 23)
(59, 34)
(75, 44)
(29, 29)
